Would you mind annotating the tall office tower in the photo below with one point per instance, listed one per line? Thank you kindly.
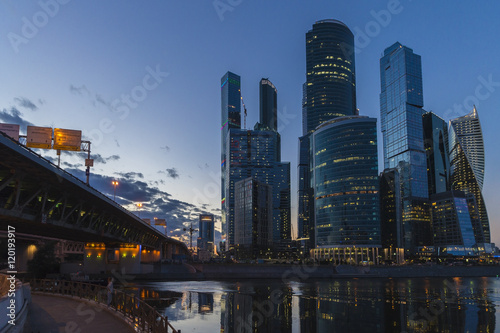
(329, 92)
(330, 80)
(231, 118)
(390, 216)
(346, 186)
(467, 162)
(206, 232)
(252, 154)
(255, 154)
(253, 218)
(268, 105)
(401, 103)
(452, 224)
(438, 154)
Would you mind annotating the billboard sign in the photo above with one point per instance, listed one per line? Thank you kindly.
(160, 222)
(10, 130)
(66, 139)
(39, 137)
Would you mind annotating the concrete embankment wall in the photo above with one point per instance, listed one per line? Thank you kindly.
(304, 272)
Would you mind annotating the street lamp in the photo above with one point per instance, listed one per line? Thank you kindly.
(115, 183)
(139, 205)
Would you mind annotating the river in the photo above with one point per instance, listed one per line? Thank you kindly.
(342, 305)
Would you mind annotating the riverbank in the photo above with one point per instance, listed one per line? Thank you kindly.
(306, 272)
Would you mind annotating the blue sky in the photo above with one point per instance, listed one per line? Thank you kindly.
(141, 80)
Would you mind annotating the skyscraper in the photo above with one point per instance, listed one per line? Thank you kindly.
(255, 154)
(451, 223)
(401, 102)
(206, 232)
(253, 218)
(438, 154)
(329, 92)
(330, 78)
(346, 185)
(230, 118)
(467, 162)
(268, 105)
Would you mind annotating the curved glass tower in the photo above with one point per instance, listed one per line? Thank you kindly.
(345, 181)
(331, 81)
(467, 162)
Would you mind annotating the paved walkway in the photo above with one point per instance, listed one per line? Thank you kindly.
(49, 314)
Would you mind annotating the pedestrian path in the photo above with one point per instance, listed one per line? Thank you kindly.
(49, 314)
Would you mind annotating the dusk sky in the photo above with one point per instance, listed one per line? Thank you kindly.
(142, 82)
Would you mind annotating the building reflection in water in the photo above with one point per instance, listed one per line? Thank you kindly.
(344, 305)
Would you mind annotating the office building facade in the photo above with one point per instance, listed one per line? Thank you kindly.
(401, 102)
(437, 152)
(206, 232)
(230, 119)
(253, 218)
(346, 186)
(329, 92)
(452, 224)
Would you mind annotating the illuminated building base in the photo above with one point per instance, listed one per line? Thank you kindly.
(347, 255)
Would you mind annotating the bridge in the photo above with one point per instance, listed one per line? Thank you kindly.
(40, 199)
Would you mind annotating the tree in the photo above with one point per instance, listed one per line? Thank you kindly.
(44, 261)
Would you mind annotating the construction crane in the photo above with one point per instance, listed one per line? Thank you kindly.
(245, 113)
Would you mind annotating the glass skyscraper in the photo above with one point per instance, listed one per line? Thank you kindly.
(401, 102)
(268, 105)
(206, 232)
(330, 79)
(451, 224)
(438, 154)
(230, 118)
(329, 92)
(255, 154)
(346, 186)
(467, 162)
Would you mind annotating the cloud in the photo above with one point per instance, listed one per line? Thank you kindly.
(26, 103)
(155, 202)
(130, 175)
(172, 173)
(13, 116)
(167, 148)
(79, 90)
(103, 160)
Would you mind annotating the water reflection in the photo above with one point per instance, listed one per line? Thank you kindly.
(350, 305)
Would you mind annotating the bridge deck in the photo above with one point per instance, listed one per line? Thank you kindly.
(63, 314)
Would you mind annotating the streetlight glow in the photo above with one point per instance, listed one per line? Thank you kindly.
(115, 184)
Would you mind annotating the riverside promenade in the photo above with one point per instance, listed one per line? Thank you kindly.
(48, 313)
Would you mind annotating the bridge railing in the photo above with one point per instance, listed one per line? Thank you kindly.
(143, 316)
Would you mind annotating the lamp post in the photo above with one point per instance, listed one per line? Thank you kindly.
(139, 205)
(190, 230)
(115, 183)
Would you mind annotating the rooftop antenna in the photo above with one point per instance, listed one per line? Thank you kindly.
(245, 113)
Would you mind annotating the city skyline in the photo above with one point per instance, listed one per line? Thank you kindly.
(143, 141)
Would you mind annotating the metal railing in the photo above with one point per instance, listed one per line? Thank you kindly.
(143, 316)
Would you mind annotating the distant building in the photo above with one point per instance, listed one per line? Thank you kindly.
(451, 224)
(346, 186)
(206, 233)
(467, 162)
(401, 102)
(253, 218)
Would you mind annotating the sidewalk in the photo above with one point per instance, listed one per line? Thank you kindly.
(49, 314)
